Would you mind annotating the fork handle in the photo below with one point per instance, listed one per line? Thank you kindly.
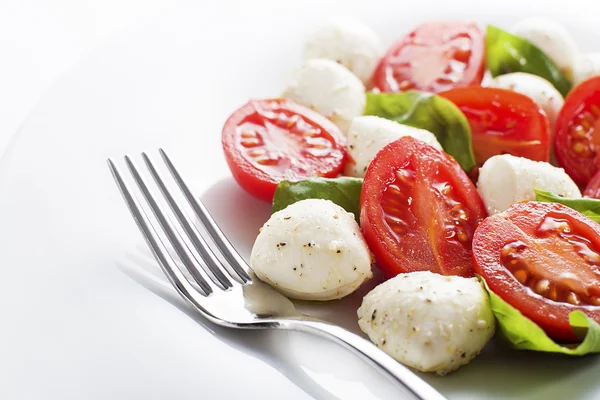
(413, 386)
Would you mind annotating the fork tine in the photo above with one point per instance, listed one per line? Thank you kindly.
(198, 241)
(175, 240)
(231, 255)
(166, 262)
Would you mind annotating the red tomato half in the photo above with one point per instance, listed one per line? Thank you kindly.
(419, 210)
(542, 258)
(577, 137)
(503, 122)
(267, 141)
(434, 57)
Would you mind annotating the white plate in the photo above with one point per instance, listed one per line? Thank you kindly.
(77, 323)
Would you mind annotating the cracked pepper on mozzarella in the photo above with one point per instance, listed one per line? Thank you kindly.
(368, 134)
(330, 89)
(429, 322)
(553, 39)
(349, 42)
(312, 250)
(537, 88)
(586, 67)
(505, 180)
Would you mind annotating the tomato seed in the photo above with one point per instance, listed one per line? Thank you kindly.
(257, 152)
(521, 275)
(268, 161)
(585, 120)
(553, 294)
(405, 85)
(248, 134)
(462, 236)
(311, 132)
(578, 132)
(292, 121)
(573, 299)
(506, 251)
(594, 300)
(252, 142)
(542, 287)
(553, 226)
(581, 149)
(404, 175)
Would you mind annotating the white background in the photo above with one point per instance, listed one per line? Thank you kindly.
(40, 40)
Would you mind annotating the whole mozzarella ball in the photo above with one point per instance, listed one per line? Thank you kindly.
(537, 88)
(429, 322)
(587, 66)
(553, 39)
(330, 89)
(349, 42)
(312, 250)
(505, 180)
(369, 134)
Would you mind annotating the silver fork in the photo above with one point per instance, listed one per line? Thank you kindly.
(222, 288)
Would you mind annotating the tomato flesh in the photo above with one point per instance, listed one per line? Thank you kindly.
(503, 122)
(419, 210)
(543, 259)
(592, 189)
(577, 136)
(434, 57)
(267, 141)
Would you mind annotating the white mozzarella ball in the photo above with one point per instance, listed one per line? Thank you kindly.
(368, 134)
(312, 250)
(552, 38)
(429, 322)
(349, 42)
(587, 66)
(505, 180)
(537, 88)
(330, 89)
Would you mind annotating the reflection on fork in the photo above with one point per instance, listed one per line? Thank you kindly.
(222, 287)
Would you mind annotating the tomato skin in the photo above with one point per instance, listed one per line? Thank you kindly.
(503, 121)
(592, 189)
(547, 261)
(413, 223)
(577, 138)
(424, 59)
(267, 141)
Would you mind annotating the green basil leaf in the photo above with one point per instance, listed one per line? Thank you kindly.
(507, 53)
(522, 333)
(588, 207)
(343, 191)
(430, 112)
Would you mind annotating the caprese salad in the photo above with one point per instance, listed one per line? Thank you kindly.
(454, 162)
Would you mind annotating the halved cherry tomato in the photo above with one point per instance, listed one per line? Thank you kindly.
(419, 210)
(593, 187)
(267, 141)
(434, 57)
(542, 258)
(503, 122)
(577, 137)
